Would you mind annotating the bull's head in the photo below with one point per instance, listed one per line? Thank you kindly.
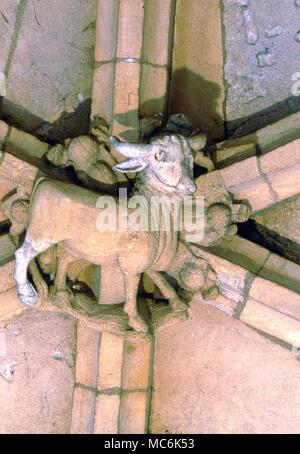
(166, 160)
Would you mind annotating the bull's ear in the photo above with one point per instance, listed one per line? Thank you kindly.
(131, 165)
(197, 142)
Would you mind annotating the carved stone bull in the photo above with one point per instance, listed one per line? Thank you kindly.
(64, 214)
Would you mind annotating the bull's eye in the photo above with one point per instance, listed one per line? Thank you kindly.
(160, 155)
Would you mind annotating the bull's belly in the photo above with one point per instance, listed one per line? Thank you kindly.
(132, 250)
(95, 248)
(67, 215)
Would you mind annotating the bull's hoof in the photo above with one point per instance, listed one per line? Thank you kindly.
(138, 324)
(177, 305)
(27, 295)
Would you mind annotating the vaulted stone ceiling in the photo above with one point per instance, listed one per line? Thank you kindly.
(230, 67)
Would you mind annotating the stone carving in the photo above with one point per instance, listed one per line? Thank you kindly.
(65, 214)
(63, 249)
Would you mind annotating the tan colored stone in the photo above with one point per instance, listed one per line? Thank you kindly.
(231, 278)
(279, 133)
(16, 173)
(133, 413)
(126, 101)
(106, 30)
(110, 361)
(83, 411)
(130, 29)
(7, 280)
(39, 347)
(240, 173)
(241, 252)
(215, 375)
(102, 102)
(226, 305)
(272, 322)
(47, 74)
(3, 218)
(7, 249)
(109, 294)
(136, 365)
(286, 183)
(25, 145)
(9, 304)
(257, 192)
(275, 296)
(153, 90)
(197, 87)
(157, 28)
(227, 154)
(283, 271)
(107, 414)
(282, 158)
(87, 355)
(3, 133)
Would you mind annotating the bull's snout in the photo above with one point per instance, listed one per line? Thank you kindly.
(187, 187)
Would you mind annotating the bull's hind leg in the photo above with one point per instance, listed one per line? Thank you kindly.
(26, 292)
(135, 321)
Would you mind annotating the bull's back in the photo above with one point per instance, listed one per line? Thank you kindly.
(64, 212)
(67, 214)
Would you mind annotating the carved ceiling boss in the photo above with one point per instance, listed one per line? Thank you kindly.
(62, 233)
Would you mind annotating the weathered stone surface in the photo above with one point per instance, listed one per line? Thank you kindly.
(208, 389)
(254, 58)
(9, 304)
(15, 173)
(87, 355)
(197, 80)
(153, 90)
(158, 24)
(281, 158)
(133, 413)
(282, 271)
(39, 347)
(25, 146)
(51, 67)
(275, 296)
(130, 29)
(10, 10)
(83, 411)
(137, 365)
(110, 361)
(259, 260)
(241, 252)
(107, 414)
(126, 101)
(278, 134)
(3, 133)
(272, 322)
(7, 249)
(7, 280)
(279, 226)
(106, 30)
(232, 280)
(103, 88)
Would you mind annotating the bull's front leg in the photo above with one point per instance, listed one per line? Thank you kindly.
(26, 293)
(135, 321)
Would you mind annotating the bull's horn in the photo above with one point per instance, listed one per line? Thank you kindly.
(129, 150)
